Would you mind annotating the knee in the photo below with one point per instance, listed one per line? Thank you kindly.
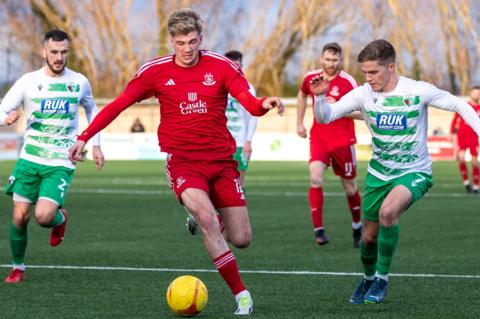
(369, 240)
(20, 218)
(242, 240)
(44, 216)
(388, 216)
(350, 190)
(316, 180)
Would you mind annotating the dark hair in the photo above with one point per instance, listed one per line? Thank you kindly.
(56, 35)
(334, 47)
(234, 55)
(475, 87)
(378, 50)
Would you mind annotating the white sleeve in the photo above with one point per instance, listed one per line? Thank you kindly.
(12, 100)
(90, 107)
(251, 121)
(441, 99)
(326, 112)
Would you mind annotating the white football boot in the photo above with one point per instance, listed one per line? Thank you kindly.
(244, 303)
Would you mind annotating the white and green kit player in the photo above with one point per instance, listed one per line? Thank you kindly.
(241, 124)
(395, 110)
(50, 97)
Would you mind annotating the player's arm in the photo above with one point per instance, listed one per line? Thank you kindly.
(238, 87)
(137, 89)
(10, 103)
(356, 115)
(250, 126)
(444, 100)
(324, 112)
(301, 108)
(91, 111)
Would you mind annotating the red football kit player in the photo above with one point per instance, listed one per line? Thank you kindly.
(192, 87)
(467, 139)
(331, 144)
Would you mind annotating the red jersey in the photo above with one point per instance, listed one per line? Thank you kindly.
(192, 101)
(463, 130)
(340, 132)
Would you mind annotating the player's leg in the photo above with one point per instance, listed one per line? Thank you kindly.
(18, 237)
(396, 202)
(237, 225)
(23, 186)
(375, 192)
(405, 191)
(318, 163)
(315, 196)
(198, 203)
(475, 168)
(368, 255)
(227, 196)
(49, 215)
(242, 159)
(462, 166)
(344, 165)
(191, 182)
(48, 211)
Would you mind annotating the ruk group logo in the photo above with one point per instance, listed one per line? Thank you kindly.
(395, 122)
(55, 106)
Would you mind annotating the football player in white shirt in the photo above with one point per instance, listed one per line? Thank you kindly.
(395, 109)
(50, 97)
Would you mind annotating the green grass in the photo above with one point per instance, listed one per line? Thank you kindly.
(112, 226)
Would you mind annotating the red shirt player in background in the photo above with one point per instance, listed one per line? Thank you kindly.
(331, 144)
(192, 87)
(465, 138)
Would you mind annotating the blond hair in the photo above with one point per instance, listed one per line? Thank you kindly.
(184, 21)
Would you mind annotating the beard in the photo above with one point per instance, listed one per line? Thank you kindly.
(331, 71)
(52, 67)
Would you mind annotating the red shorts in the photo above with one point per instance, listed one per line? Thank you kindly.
(219, 179)
(342, 158)
(468, 143)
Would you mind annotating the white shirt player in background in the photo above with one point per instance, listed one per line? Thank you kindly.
(395, 109)
(241, 124)
(50, 97)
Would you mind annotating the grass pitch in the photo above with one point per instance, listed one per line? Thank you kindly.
(126, 241)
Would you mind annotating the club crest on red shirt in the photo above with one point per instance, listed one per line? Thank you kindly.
(208, 79)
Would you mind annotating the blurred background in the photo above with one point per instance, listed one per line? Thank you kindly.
(437, 41)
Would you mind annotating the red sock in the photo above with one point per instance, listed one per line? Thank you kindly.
(463, 171)
(475, 175)
(228, 269)
(355, 207)
(315, 195)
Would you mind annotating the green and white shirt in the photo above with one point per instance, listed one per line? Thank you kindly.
(51, 106)
(398, 122)
(240, 123)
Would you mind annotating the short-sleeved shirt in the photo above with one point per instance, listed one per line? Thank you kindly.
(342, 131)
(51, 106)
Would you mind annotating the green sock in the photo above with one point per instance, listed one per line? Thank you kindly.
(369, 258)
(18, 243)
(387, 243)
(57, 220)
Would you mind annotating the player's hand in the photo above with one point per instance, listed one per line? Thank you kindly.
(247, 148)
(75, 152)
(301, 130)
(271, 102)
(319, 85)
(98, 157)
(12, 117)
